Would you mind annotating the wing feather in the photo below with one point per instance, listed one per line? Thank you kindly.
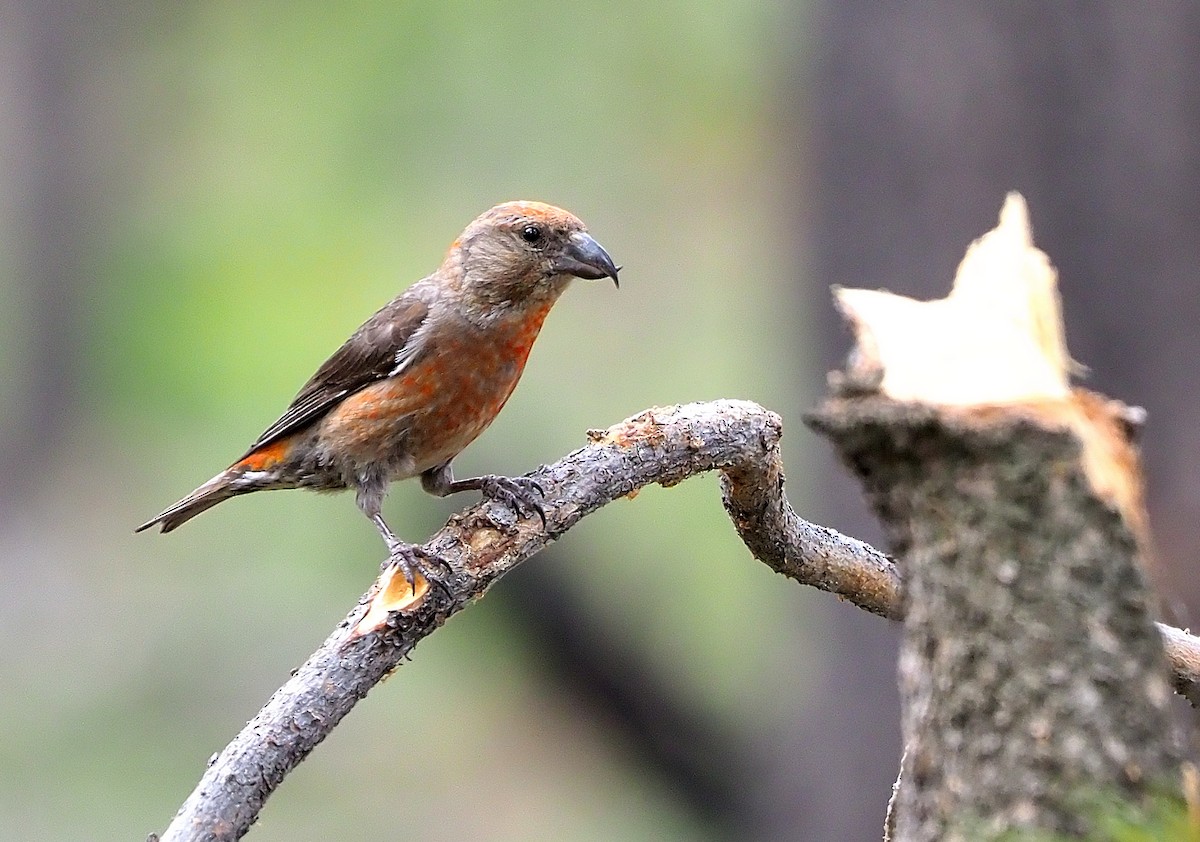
(380, 348)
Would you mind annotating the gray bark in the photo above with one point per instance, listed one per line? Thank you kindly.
(1031, 673)
(664, 446)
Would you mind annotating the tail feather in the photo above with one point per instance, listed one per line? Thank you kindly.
(216, 490)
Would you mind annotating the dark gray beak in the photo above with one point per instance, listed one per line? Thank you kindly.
(586, 258)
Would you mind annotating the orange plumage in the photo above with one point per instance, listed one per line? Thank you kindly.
(423, 377)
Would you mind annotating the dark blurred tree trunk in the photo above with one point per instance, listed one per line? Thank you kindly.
(704, 765)
(921, 117)
(42, 56)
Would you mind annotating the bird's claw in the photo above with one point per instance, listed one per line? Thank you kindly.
(412, 559)
(517, 493)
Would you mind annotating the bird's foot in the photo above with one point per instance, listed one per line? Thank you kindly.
(412, 559)
(521, 494)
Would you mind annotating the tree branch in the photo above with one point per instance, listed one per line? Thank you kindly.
(661, 445)
(1183, 654)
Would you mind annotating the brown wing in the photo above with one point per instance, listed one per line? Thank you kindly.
(380, 348)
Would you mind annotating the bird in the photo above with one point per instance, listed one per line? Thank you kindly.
(421, 379)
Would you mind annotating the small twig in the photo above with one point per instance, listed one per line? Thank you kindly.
(889, 818)
(664, 446)
(1183, 654)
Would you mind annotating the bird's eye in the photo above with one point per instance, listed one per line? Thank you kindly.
(531, 234)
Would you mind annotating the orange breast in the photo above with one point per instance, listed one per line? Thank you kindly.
(441, 402)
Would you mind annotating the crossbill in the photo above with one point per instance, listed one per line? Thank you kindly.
(422, 378)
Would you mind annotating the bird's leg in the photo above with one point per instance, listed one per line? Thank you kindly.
(521, 494)
(410, 558)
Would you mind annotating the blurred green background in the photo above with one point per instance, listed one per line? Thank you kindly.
(199, 202)
(257, 178)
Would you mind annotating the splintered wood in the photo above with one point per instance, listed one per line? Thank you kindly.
(996, 338)
(995, 346)
(391, 593)
(1030, 670)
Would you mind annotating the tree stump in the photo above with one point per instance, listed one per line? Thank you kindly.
(1031, 675)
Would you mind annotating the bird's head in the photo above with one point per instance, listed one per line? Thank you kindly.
(527, 251)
